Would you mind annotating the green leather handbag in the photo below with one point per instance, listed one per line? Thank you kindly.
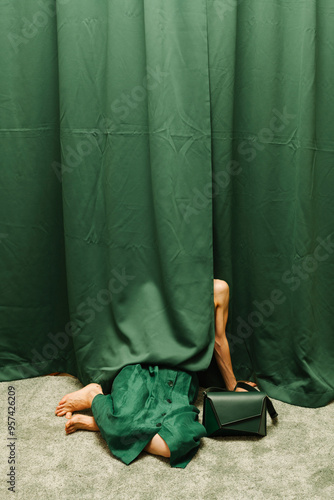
(227, 413)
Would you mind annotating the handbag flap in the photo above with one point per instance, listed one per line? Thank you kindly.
(231, 407)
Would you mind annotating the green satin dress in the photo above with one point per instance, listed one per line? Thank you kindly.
(146, 400)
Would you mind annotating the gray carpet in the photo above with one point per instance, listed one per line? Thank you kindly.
(294, 461)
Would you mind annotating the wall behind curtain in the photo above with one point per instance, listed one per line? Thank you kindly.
(147, 147)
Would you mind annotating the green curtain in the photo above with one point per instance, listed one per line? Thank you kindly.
(272, 104)
(148, 146)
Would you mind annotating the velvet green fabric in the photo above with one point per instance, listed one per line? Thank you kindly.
(148, 146)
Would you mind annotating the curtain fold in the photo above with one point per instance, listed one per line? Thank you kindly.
(271, 78)
(33, 291)
(140, 278)
(148, 146)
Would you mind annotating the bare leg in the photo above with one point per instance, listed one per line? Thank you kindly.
(158, 446)
(78, 400)
(221, 349)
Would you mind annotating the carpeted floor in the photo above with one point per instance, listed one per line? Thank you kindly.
(294, 461)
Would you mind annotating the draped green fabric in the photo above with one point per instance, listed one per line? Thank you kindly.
(148, 146)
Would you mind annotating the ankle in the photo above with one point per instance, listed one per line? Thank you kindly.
(231, 385)
(94, 392)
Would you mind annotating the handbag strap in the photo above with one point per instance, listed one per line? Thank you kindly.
(270, 407)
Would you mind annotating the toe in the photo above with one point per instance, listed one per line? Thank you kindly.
(68, 414)
(68, 426)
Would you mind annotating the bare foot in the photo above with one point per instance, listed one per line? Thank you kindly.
(79, 421)
(78, 400)
(239, 389)
(248, 382)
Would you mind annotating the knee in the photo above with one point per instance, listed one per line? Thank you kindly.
(164, 448)
(158, 446)
(221, 292)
